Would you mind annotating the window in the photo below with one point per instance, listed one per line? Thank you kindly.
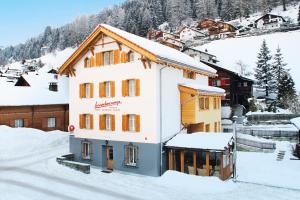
(108, 122)
(215, 103)
(207, 103)
(107, 89)
(216, 127)
(245, 84)
(51, 122)
(207, 128)
(131, 84)
(131, 87)
(86, 121)
(86, 150)
(106, 58)
(189, 74)
(131, 155)
(19, 123)
(131, 122)
(86, 62)
(201, 103)
(130, 56)
(111, 57)
(86, 90)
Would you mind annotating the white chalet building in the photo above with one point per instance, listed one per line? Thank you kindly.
(130, 95)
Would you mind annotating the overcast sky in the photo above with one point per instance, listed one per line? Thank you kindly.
(22, 19)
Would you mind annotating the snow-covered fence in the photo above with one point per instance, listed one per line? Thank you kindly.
(258, 118)
(256, 144)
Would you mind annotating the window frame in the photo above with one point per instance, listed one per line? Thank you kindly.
(88, 151)
(131, 87)
(107, 89)
(131, 123)
(51, 122)
(108, 121)
(19, 123)
(87, 121)
(131, 159)
(87, 90)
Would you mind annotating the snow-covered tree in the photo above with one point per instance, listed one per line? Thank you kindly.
(263, 71)
(278, 67)
(286, 90)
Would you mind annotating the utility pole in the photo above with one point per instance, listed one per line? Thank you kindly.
(234, 118)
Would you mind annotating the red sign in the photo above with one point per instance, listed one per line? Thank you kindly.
(71, 128)
(107, 104)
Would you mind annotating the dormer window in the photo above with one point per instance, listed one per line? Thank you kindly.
(189, 74)
(130, 56)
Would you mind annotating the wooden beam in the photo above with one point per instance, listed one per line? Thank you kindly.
(182, 161)
(207, 163)
(92, 50)
(221, 167)
(120, 46)
(170, 159)
(195, 162)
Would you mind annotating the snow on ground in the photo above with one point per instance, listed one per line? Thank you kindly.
(28, 171)
(231, 50)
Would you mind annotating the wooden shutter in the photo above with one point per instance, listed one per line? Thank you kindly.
(113, 121)
(91, 121)
(80, 91)
(102, 89)
(92, 61)
(112, 88)
(137, 123)
(124, 58)
(116, 56)
(98, 59)
(126, 154)
(102, 122)
(101, 58)
(125, 122)
(81, 121)
(125, 88)
(83, 152)
(91, 90)
(137, 87)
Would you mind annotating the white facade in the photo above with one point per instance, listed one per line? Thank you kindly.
(147, 105)
(270, 23)
(189, 34)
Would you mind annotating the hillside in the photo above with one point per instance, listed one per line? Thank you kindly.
(137, 16)
(230, 51)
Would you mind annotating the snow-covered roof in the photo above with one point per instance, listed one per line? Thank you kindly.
(296, 122)
(163, 52)
(209, 141)
(204, 88)
(37, 94)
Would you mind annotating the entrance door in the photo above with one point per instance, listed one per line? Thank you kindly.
(109, 157)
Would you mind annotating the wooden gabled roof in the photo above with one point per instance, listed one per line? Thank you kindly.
(148, 49)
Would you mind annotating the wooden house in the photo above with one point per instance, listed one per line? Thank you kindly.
(187, 33)
(269, 21)
(35, 101)
(130, 95)
(237, 88)
(217, 29)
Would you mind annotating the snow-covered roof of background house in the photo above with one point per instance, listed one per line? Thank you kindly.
(204, 88)
(163, 52)
(209, 141)
(296, 122)
(37, 94)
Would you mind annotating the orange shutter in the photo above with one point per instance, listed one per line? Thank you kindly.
(80, 121)
(116, 56)
(92, 61)
(137, 87)
(124, 57)
(102, 122)
(124, 122)
(91, 90)
(101, 58)
(102, 89)
(112, 88)
(113, 121)
(91, 121)
(125, 88)
(80, 91)
(98, 59)
(137, 123)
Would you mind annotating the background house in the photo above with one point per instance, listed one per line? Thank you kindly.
(269, 21)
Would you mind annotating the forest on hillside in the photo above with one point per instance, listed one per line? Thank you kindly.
(137, 16)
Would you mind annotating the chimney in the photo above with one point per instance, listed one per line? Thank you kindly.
(53, 86)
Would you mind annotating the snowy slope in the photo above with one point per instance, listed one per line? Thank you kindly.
(231, 50)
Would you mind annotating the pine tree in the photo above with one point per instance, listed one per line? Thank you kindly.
(263, 71)
(299, 16)
(278, 68)
(286, 91)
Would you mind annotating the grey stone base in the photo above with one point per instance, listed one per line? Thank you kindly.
(68, 160)
(148, 162)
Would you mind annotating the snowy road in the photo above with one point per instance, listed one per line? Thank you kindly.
(28, 170)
